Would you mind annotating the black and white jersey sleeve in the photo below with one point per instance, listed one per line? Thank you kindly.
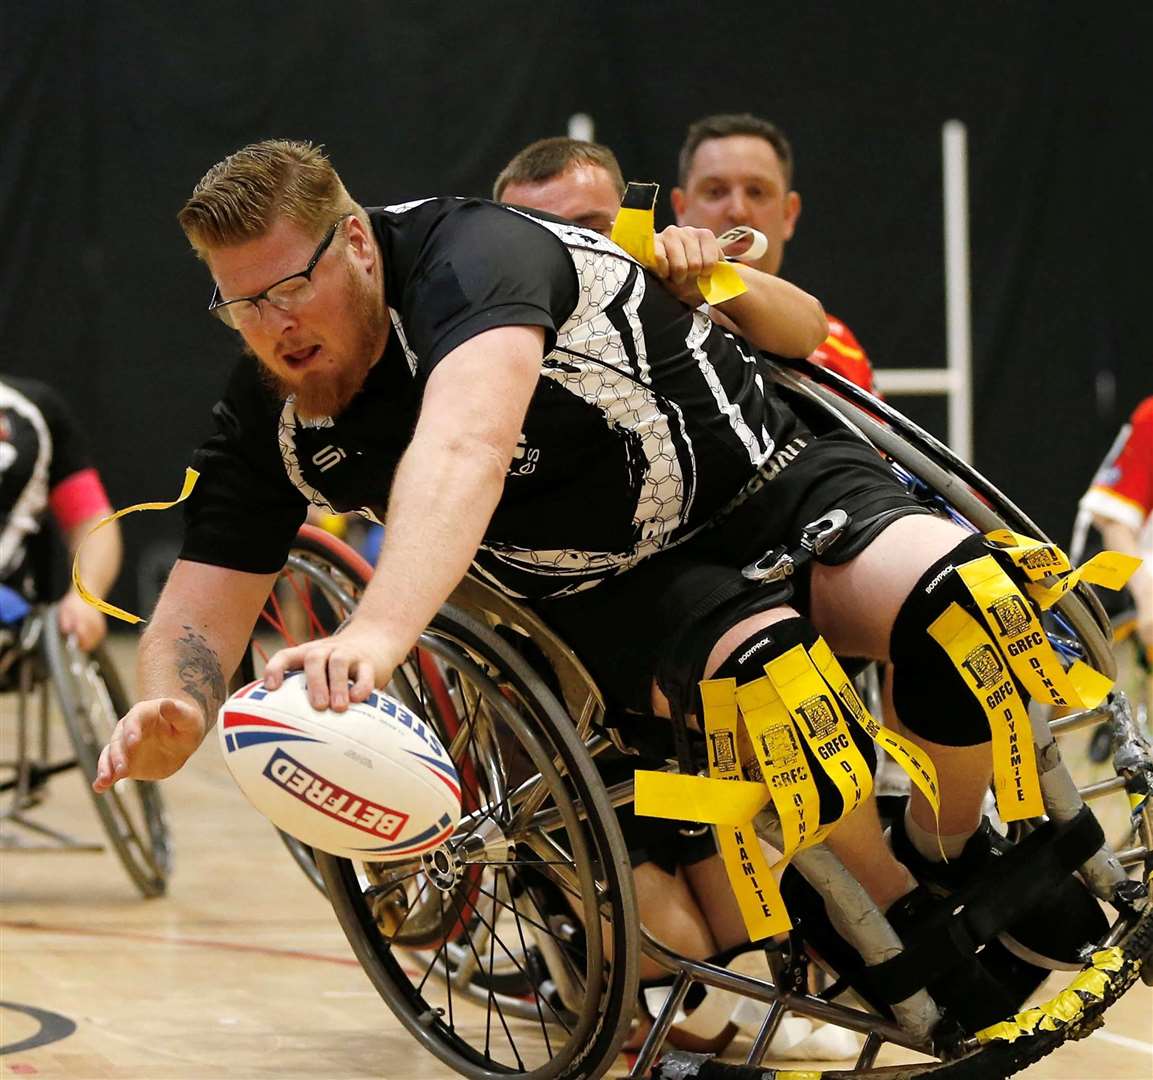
(457, 267)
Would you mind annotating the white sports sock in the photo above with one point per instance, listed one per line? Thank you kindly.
(926, 844)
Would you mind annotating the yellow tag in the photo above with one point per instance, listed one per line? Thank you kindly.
(697, 798)
(1035, 559)
(777, 747)
(979, 663)
(917, 766)
(756, 890)
(1109, 569)
(634, 227)
(817, 715)
(190, 478)
(1023, 641)
(634, 230)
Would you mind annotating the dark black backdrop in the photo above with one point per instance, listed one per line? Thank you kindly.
(111, 109)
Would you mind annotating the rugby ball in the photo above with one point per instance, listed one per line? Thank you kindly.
(372, 783)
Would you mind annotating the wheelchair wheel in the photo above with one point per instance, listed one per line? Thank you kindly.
(92, 699)
(533, 892)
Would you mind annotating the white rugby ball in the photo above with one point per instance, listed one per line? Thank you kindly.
(371, 783)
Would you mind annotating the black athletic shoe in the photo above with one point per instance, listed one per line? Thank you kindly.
(967, 993)
(1056, 929)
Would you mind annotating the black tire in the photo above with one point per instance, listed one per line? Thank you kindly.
(92, 699)
(524, 771)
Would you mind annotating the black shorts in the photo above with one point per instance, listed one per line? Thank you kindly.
(648, 622)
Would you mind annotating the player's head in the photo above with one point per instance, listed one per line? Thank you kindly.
(737, 169)
(274, 220)
(576, 180)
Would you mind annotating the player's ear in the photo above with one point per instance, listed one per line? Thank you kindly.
(677, 198)
(792, 213)
(360, 240)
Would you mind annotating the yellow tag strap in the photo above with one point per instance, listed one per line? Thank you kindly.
(777, 747)
(1010, 617)
(635, 227)
(190, 478)
(1037, 560)
(634, 230)
(980, 665)
(818, 717)
(697, 798)
(1109, 569)
(917, 765)
(756, 890)
(727, 802)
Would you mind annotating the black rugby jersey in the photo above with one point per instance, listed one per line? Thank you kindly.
(647, 420)
(40, 445)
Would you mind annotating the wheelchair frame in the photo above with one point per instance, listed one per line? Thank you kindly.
(45, 664)
(975, 502)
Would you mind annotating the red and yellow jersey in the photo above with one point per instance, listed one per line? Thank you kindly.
(841, 352)
(1122, 490)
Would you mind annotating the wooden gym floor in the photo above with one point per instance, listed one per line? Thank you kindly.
(242, 971)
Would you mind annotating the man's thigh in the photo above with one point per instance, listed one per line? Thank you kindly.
(855, 604)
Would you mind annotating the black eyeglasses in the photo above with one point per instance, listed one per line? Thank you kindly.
(286, 294)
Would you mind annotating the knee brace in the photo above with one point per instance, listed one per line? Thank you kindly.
(929, 693)
(746, 663)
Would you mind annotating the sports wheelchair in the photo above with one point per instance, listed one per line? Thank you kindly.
(46, 674)
(529, 910)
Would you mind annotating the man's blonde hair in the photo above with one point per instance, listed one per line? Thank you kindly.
(239, 198)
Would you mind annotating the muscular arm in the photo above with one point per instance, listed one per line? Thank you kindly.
(445, 491)
(188, 653)
(198, 633)
(774, 315)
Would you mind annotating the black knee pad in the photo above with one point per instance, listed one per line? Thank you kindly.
(930, 695)
(746, 663)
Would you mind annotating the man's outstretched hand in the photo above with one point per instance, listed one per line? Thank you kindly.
(151, 742)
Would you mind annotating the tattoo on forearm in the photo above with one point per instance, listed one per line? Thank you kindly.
(200, 674)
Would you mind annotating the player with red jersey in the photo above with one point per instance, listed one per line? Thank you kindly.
(1120, 501)
(738, 170)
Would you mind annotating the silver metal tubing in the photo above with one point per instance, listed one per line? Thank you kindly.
(660, 1029)
(802, 1004)
(769, 1027)
(1102, 787)
(1078, 720)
